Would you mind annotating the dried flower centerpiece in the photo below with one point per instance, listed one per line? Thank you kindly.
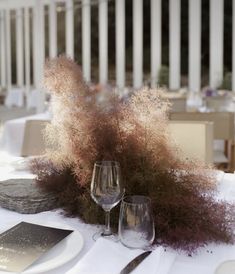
(90, 126)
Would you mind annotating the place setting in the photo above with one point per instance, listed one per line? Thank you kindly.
(35, 248)
(131, 250)
(30, 247)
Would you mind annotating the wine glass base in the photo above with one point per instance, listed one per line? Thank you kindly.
(101, 234)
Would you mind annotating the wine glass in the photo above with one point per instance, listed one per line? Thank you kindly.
(106, 190)
(136, 225)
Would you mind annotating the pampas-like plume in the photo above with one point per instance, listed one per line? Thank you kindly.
(89, 126)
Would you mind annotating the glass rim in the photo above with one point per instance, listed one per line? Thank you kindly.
(107, 163)
(136, 199)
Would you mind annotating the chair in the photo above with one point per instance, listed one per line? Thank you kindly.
(178, 104)
(217, 103)
(223, 130)
(15, 97)
(33, 141)
(177, 100)
(194, 138)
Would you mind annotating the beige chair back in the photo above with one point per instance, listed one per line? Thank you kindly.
(33, 142)
(194, 139)
(223, 130)
(217, 103)
(177, 100)
(223, 121)
(178, 104)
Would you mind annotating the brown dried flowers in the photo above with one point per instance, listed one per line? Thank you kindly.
(89, 126)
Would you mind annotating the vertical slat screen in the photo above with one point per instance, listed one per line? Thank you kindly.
(137, 43)
(86, 40)
(216, 42)
(52, 29)
(156, 50)
(3, 50)
(27, 50)
(35, 47)
(19, 48)
(38, 15)
(194, 45)
(103, 41)
(69, 28)
(8, 49)
(174, 44)
(120, 43)
(233, 47)
(195, 13)
(42, 22)
(1, 39)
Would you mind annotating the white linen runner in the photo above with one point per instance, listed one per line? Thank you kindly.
(107, 257)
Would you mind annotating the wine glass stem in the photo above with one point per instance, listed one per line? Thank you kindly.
(107, 230)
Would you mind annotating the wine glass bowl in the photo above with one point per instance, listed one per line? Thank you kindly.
(106, 189)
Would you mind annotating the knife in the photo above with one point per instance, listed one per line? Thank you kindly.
(134, 263)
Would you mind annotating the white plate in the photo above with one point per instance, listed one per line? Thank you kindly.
(227, 267)
(60, 254)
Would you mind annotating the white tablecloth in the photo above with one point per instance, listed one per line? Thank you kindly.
(33, 98)
(15, 97)
(204, 262)
(13, 133)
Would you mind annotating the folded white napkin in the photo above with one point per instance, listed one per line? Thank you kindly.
(107, 257)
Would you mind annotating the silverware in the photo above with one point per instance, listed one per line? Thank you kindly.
(134, 263)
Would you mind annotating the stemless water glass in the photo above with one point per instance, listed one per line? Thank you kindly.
(136, 225)
(106, 190)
